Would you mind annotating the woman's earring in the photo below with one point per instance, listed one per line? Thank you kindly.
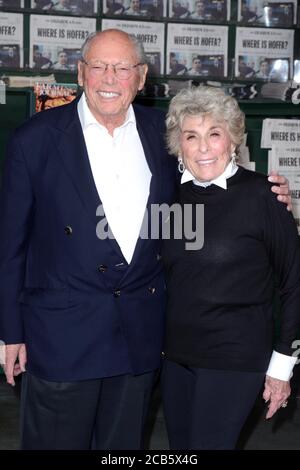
(233, 155)
(181, 166)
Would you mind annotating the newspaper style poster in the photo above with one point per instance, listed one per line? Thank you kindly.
(11, 3)
(280, 132)
(217, 11)
(150, 9)
(265, 54)
(197, 50)
(11, 40)
(75, 7)
(286, 160)
(274, 13)
(152, 37)
(55, 41)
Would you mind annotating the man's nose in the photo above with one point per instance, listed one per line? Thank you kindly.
(109, 74)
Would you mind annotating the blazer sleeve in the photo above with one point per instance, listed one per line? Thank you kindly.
(283, 245)
(16, 210)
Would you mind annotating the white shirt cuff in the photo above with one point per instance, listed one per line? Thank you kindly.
(281, 366)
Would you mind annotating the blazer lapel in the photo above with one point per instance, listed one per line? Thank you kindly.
(74, 157)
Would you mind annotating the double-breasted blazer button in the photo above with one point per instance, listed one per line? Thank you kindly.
(117, 293)
(68, 230)
(151, 289)
(102, 268)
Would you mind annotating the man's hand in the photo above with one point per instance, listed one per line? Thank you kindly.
(276, 393)
(11, 368)
(283, 190)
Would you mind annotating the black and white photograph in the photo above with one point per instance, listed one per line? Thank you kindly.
(262, 68)
(296, 76)
(154, 63)
(177, 64)
(75, 7)
(217, 11)
(151, 9)
(55, 58)
(196, 65)
(180, 9)
(273, 14)
(9, 55)
(11, 40)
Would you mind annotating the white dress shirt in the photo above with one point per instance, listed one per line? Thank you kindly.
(121, 174)
(281, 365)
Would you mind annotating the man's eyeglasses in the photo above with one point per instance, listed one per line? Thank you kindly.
(122, 71)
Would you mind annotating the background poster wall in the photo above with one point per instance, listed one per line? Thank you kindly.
(264, 53)
(197, 50)
(55, 41)
(11, 40)
(152, 37)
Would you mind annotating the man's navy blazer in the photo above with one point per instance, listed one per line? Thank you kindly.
(81, 310)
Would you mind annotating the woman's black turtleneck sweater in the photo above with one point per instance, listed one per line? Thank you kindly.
(220, 297)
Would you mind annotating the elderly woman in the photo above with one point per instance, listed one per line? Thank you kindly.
(218, 350)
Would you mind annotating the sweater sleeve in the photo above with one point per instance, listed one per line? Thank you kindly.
(16, 202)
(283, 246)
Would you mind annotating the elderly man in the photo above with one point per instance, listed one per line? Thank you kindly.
(84, 311)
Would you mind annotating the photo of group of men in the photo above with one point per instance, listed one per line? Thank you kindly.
(144, 8)
(54, 58)
(267, 13)
(263, 68)
(78, 7)
(201, 10)
(196, 65)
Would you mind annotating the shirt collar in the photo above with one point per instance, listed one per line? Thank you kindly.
(88, 119)
(220, 181)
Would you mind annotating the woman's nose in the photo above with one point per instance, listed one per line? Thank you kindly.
(203, 146)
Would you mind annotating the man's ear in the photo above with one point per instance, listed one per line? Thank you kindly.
(80, 73)
(143, 75)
